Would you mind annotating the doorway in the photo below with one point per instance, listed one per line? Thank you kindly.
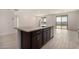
(62, 22)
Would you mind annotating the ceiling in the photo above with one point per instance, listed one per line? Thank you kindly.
(40, 12)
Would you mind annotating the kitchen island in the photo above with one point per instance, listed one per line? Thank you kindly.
(35, 37)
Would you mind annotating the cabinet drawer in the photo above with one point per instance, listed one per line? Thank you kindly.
(46, 29)
(36, 32)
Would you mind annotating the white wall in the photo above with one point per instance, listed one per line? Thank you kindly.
(50, 20)
(6, 22)
(73, 19)
(30, 18)
(26, 18)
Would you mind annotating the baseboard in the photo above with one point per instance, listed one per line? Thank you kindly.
(73, 29)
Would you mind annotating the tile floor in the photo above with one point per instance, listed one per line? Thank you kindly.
(63, 39)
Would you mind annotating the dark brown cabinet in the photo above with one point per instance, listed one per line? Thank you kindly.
(25, 40)
(52, 32)
(35, 39)
(46, 35)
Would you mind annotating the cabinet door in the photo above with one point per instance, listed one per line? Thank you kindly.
(52, 32)
(48, 35)
(44, 36)
(37, 41)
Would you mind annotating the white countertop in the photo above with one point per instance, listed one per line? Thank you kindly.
(30, 29)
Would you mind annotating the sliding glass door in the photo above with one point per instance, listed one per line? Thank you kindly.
(61, 22)
(58, 22)
(64, 22)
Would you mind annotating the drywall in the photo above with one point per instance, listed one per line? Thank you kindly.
(32, 18)
(73, 19)
(6, 22)
(50, 20)
(26, 18)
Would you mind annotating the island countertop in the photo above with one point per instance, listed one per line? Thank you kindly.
(30, 29)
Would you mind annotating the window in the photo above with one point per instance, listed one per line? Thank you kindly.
(61, 22)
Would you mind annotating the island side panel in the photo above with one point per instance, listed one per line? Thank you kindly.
(25, 40)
